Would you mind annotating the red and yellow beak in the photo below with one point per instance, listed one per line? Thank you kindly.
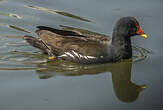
(141, 88)
(140, 32)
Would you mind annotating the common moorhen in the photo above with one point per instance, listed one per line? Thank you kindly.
(88, 49)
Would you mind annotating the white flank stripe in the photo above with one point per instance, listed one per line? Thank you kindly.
(91, 57)
(63, 55)
(80, 56)
(67, 53)
(75, 53)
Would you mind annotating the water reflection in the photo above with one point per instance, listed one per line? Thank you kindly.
(18, 28)
(57, 12)
(124, 88)
(11, 15)
(1, 0)
(15, 27)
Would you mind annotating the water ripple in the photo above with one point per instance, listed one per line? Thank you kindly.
(57, 12)
(13, 15)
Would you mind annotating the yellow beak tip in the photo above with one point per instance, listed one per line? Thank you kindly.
(144, 86)
(144, 35)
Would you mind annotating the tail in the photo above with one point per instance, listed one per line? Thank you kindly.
(35, 42)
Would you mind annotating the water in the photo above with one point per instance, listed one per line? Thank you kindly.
(29, 81)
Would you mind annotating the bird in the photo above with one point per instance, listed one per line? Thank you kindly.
(80, 48)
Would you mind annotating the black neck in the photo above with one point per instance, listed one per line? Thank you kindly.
(122, 45)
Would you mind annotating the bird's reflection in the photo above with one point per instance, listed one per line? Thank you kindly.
(124, 88)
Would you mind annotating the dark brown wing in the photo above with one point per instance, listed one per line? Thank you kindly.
(70, 45)
(59, 32)
(71, 31)
(59, 44)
